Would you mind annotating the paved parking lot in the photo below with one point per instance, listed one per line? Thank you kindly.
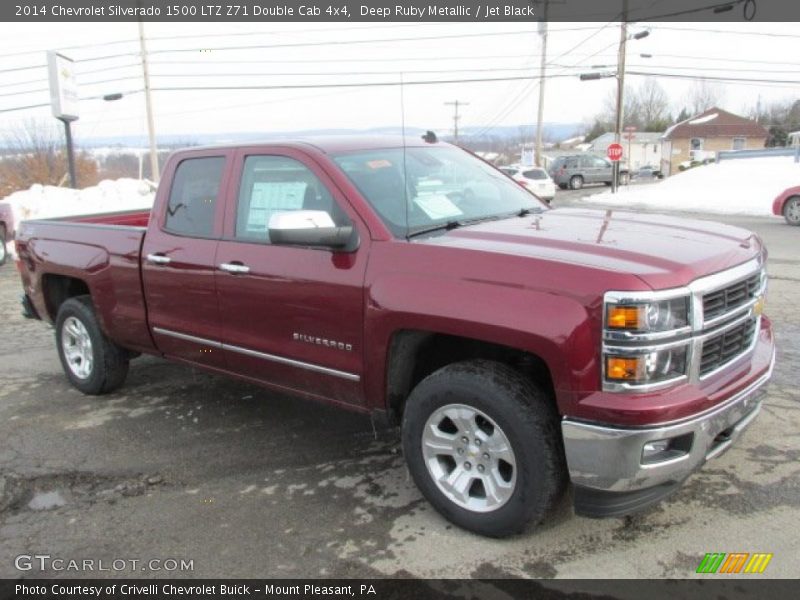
(185, 465)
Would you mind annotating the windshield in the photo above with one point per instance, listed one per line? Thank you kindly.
(441, 185)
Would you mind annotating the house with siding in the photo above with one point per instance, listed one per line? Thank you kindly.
(702, 136)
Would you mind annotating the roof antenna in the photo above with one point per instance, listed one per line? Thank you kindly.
(405, 170)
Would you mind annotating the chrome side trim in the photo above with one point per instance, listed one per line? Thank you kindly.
(187, 337)
(293, 363)
(263, 355)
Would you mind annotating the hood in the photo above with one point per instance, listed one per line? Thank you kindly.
(663, 251)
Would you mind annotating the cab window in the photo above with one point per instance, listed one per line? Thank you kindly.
(272, 184)
(194, 195)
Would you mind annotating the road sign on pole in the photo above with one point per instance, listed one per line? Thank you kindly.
(614, 152)
(64, 101)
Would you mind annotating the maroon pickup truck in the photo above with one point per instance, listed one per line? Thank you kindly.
(521, 347)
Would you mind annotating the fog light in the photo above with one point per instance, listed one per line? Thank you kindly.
(652, 449)
(659, 451)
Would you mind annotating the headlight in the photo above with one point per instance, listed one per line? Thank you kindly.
(664, 315)
(646, 367)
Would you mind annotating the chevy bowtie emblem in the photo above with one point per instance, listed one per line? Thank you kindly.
(758, 307)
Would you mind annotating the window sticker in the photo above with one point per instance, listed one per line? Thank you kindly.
(437, 206)
(269, 196)
(379, 164)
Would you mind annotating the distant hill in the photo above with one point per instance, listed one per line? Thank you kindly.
(552, 131)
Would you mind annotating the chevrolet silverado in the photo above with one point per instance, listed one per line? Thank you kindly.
(521, 348)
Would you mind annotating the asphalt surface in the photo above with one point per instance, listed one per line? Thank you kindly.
(180, 464)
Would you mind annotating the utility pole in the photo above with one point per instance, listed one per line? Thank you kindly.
(542, 70)
(455, 104)
(151, 128)
(623, 38)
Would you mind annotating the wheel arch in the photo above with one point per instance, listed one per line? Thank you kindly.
(414, 354)
(57, 289)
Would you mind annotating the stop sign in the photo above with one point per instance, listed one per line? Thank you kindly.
(614, 152)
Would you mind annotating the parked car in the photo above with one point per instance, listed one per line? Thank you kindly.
(575, 171)
(6, 229)
(534, 179)
(517, 353)
(787, 205)
(647, 172)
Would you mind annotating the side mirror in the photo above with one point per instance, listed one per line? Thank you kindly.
(308, 228)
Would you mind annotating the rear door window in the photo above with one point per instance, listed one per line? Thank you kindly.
(194, 196)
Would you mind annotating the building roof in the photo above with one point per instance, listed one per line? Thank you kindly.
(639, 137)
(715, 122)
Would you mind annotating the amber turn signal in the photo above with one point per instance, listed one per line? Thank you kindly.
(624, 317)
(623, 369)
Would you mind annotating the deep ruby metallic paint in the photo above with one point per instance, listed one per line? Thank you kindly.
(534, 283)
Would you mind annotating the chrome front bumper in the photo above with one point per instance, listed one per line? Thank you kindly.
(607, 461)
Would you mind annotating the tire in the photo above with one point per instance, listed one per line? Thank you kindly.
(3, 250)
(575, 182)
(491, 402)
(96, 365)
(791, 210)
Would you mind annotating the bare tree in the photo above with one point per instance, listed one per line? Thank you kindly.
(34, 153)
(631, 109)
(704, 95)
(653, 105)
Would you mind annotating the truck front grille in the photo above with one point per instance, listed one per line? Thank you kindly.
(727, 299)
(727, 346)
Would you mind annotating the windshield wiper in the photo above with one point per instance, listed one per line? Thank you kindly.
(440, 227)
(454, 224)
(524, 212)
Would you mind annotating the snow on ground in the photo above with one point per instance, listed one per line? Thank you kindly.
(745, 186)
(47, 201)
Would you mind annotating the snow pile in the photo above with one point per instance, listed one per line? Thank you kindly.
(47, 201)
(744, 186)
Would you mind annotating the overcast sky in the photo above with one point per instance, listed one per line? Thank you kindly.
(195, 55)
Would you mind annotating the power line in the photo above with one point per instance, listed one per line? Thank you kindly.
(367, 84)
(689, 11)
(727, 31)
(714, 78)
(325, 43)
(204, 36)
(530, 87)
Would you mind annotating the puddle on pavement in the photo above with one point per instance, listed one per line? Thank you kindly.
(47, 500)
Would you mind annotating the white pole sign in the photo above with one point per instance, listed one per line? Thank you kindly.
(63, 86)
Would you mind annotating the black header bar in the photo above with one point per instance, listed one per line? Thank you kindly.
(343, 11)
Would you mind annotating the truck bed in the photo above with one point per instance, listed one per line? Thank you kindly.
(137, 218)
(102, 250)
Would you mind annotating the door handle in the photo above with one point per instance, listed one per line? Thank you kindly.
(158, 259)
(234, 268)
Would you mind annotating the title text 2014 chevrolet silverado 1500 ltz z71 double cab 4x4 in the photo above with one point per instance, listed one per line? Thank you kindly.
(520, 347)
